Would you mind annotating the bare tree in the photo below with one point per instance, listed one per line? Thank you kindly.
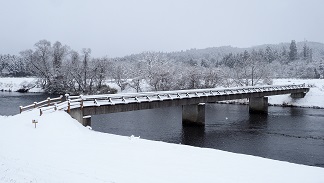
(120, 75)
(251, 71)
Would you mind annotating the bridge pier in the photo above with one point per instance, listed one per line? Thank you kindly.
(258, 105)
(193, 115)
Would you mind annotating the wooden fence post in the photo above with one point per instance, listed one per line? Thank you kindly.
(69, 106)
(48, 101)
(81, 104)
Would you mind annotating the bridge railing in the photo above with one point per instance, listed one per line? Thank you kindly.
(81, 101)
(48, 102)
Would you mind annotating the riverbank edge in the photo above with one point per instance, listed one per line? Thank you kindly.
(275, 105)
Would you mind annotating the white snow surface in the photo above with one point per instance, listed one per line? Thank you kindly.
(14, 84)
(62, 150)
(314, 98)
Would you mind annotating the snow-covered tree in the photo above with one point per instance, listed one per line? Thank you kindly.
(293, 54)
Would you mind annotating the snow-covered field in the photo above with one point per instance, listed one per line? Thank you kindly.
(62, 150)
(15, 84)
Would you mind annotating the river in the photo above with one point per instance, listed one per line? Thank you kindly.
(288, 134)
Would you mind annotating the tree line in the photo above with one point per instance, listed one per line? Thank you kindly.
(61, 69)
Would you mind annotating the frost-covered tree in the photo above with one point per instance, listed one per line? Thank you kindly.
(269, 54)
(293, 54)
(307, 53)
(211, 78)
(120, 75)
(62, 70)
(251, 71)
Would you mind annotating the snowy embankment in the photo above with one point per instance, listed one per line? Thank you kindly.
(14, 84)
(62, 150)
(314, 98)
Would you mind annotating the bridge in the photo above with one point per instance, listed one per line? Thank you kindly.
(192, 101)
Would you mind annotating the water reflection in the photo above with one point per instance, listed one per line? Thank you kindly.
(257, 121)
(295, 111)
(193, 135)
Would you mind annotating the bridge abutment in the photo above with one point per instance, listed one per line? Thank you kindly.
(298, 95)
(258, 105)
(78, 115)
(193, 115)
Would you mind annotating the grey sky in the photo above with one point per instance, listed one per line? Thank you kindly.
(121, 27)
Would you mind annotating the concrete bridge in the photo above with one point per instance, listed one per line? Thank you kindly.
(192, 101)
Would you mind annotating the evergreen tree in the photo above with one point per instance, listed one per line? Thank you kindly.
(293, 54)
(269, 55)
(307, 53)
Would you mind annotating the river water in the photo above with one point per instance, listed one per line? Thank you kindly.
(288, 134)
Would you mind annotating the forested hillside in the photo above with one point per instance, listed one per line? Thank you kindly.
(64, 70)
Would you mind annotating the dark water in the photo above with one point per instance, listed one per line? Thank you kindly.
(10, 101)
(288, 134)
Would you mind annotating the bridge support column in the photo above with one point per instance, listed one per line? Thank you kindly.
(298, 95)
(86, 121)
(193, 115)
(258, 105)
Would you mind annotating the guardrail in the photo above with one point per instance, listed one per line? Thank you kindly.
(48, 102)
(81, 101)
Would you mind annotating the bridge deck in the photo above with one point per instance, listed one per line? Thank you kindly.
(102, 104)
(111, 103)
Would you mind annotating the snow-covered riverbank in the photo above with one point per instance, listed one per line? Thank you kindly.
(61, 150)
(14, 84)
(314, 98)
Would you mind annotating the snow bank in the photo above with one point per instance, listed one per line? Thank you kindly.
(314, 98)
(14, 84)
(61, 150)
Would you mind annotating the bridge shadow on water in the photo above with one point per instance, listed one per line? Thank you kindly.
(224, 125)
(193, 135)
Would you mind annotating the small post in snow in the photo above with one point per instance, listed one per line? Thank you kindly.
(35, 122)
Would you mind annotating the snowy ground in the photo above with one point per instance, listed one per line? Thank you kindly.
(314, 98)
(14, 84)
(61, 150)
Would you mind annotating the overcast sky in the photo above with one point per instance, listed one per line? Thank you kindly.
(121, 27)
